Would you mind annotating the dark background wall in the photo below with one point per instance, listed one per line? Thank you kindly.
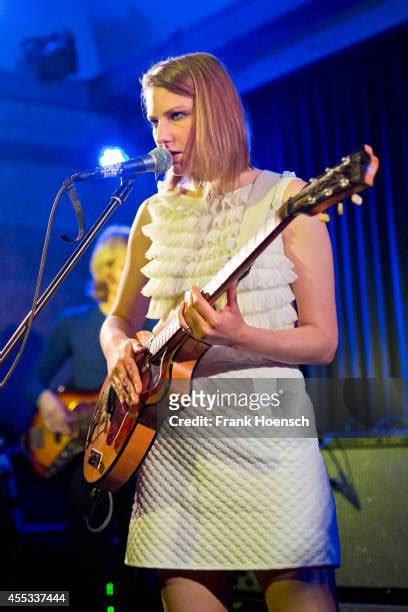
(307, 122)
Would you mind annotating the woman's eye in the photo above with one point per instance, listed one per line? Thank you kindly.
(174, 116)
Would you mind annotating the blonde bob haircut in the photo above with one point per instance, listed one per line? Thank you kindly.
(218, 149)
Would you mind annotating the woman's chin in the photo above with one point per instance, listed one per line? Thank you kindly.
(178, 169)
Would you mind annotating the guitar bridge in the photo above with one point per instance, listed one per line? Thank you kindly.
(95, 458)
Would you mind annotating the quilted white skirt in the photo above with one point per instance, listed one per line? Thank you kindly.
(234, 501)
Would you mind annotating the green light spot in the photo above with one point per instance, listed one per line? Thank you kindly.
(110, 609)
(109, 589)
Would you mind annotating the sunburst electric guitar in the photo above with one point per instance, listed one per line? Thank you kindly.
(48, 451)
(120, 436)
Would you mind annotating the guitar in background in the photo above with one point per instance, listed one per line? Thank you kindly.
(48, 451)
(72, 356)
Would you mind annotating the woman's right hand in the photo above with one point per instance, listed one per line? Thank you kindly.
(122, 369)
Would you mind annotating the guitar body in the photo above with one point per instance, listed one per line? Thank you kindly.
(48, 451)
(120, 436)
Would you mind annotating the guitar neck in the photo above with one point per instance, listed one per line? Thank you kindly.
(355, 173)
(234, 269)
(171, 333)
(240, 263)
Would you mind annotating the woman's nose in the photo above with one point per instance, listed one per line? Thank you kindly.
(163, 133)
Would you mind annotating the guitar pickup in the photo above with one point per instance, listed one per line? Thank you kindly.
(95, 458)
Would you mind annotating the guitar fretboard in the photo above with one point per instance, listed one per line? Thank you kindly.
(354, 173)
(213, 288)
(242, 258)
(159, 340)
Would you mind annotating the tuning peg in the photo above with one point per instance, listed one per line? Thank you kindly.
(340, 208)
(356, 199)
(324, 217)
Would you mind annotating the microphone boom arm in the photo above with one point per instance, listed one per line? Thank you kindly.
(118, 197)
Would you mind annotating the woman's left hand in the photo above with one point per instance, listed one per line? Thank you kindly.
(225, 326)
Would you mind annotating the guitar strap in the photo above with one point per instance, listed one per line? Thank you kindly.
(259, 203)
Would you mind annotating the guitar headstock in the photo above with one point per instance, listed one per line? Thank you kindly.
(355, 173)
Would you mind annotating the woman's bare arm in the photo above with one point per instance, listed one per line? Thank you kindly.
(127, 315)
(314, 340)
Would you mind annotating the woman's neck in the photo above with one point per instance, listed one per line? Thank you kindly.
(247, 177)
(184, 182)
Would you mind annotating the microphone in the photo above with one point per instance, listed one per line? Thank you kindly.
(158, 161)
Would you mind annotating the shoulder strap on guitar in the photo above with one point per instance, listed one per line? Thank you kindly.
(260, 203)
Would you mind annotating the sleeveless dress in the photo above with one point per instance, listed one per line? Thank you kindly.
(229, 502)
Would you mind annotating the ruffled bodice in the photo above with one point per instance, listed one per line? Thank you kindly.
(192, 239)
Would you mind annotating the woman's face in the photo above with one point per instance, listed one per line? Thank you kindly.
(171, 118)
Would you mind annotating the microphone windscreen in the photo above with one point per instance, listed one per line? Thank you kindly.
(162, 158)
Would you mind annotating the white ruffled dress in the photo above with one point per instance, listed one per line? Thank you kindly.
(229, 502)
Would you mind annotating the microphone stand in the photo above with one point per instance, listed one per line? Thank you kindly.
(118, 197)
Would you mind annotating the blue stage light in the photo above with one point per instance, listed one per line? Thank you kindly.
(112, 155)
